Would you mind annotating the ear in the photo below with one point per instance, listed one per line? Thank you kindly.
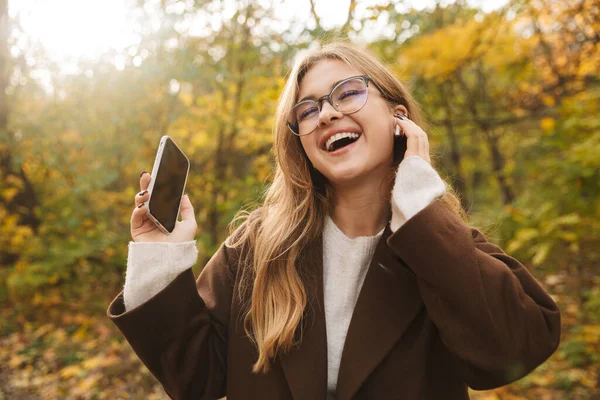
(400, 109)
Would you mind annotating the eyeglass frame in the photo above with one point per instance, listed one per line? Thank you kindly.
(365, 78)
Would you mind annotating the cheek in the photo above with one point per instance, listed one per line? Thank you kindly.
(308, 146)
(376, 119)
(304, 145)
(378, 128)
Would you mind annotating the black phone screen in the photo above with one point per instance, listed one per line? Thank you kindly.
(168, 185)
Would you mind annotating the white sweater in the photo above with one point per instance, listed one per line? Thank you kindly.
(152, 266)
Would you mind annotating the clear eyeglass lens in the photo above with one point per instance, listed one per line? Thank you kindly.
(348, 98)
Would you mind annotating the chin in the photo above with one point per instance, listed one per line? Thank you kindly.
(344, 176)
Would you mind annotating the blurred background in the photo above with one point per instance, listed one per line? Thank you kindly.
(87, 88)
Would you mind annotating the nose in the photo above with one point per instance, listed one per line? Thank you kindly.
(328, 114)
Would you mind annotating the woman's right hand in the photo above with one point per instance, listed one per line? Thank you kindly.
(144, 230)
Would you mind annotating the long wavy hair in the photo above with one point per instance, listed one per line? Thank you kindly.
(293, 212)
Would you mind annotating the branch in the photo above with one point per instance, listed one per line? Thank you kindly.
(314, 13)
(351, 8)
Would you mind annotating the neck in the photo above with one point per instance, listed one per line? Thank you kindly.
(361, 210)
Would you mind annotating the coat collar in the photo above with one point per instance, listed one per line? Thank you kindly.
(388, 302)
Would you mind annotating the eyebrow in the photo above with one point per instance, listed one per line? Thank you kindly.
(310, 97)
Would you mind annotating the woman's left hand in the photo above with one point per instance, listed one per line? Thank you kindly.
(417, 143)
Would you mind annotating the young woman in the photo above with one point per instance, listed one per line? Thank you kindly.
(358, 278)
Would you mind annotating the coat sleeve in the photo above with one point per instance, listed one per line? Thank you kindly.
(180, 333)
(416, 185)
(491, 313)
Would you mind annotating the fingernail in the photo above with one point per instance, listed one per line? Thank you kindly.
(140, 206)
(143, 172)
(142, 193)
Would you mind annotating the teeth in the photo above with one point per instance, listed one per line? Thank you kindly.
(339, 136)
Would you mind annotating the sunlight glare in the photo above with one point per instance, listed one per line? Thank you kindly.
(74, 30)
(77, 29)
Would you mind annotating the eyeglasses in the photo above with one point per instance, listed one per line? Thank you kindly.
(347, 97)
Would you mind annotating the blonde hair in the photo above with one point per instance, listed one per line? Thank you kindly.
(293, 212)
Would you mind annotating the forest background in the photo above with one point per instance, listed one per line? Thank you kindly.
(511, 96)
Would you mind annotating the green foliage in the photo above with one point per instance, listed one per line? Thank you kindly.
(575, 351)
(591, 308)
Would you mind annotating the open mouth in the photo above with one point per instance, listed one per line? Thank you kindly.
(340, 140)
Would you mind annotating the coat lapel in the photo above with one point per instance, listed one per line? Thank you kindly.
(305, 367)
(389, 300)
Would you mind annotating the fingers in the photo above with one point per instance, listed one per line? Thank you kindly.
(186, 209)
(417, 142)
(144, 180)
(138, 216)
(143, 196)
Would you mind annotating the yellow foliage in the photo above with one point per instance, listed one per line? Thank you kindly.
(186, 98)
(43, 330)
(541, 254)
(70, 371)
(37, 299)
(14, 181)
(588, 381)
(81, 333)
(70, 135)
(548, 100)
(88, 383)
(59, 335)
(547, 124)
(9, 193)
(93, 362)
(20, 236)
(439, 54)
(591, 334)
(16, 360)
(543, 380)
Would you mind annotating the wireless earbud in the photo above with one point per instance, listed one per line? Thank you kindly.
(402, 117)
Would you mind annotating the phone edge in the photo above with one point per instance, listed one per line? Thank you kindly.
(155, 168)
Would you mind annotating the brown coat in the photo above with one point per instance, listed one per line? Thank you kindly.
(441, 309)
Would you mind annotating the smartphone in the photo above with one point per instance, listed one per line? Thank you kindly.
(169, 176)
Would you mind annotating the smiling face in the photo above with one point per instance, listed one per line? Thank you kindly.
(369, 157)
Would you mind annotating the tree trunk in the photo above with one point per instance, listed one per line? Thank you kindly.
(498, 166)
(487, 129)
(458, 180)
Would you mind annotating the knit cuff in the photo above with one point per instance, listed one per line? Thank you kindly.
(151, 266)
(417, 185)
